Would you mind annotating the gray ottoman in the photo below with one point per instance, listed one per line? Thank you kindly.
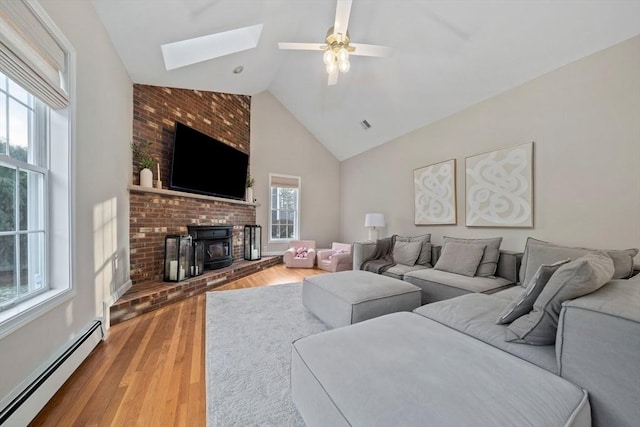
(346, 297)
(406, 370)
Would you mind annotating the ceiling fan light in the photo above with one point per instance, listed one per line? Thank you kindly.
(344, 66)
(331, 67)
(343, 55)
(328, 57)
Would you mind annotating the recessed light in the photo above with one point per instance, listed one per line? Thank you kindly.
(238, 69)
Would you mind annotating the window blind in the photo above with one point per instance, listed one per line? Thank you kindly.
(285, 181)
(30, 55)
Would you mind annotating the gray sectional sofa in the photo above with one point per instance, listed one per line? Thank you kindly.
(439, 285)
(453, 362)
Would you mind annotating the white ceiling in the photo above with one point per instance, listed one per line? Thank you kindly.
(447, 56)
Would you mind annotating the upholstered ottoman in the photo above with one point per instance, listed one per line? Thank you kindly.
(403, 369)
(346, 297)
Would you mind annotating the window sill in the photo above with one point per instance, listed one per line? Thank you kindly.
(16, 317)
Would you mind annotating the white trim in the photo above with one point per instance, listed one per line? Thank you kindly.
(58, 369)
(111, 299)
(298, 205)
(61, 286)
(22, 314)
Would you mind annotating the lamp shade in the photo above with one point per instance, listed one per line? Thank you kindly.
(374, 220)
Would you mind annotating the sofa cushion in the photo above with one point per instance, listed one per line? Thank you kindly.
(425, 253)
(406, 252)
(538, 252)
(475, 315)
(572, 280)
(489, 262)
(399, 270)
(439, 285)
(460, 258)
(523, 304)
(508, 294)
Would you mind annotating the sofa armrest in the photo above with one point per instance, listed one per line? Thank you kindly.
(289, 254)
(342, 259)
(598, 349)
(323, 254)
(362, 251)
(509, 265)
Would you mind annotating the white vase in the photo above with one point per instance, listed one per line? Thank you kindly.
(146, 178)
(249, 194)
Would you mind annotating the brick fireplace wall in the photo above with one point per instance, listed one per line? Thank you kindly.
(225, 117)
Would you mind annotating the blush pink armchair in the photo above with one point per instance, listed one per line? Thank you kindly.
(338, 258)
(301, 254)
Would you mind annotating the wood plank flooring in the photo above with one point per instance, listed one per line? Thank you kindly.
(150, 370)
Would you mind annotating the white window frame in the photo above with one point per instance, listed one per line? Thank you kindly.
(37, 155)
(296, 231)
(59, 197)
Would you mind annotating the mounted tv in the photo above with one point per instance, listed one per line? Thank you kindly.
(203, 165)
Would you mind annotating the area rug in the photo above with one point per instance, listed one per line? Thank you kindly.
(248, 354)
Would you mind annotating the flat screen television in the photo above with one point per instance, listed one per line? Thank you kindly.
(203, 165)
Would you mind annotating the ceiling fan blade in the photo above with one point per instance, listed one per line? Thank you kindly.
(190, 51)
(343, 10)
(370, 50)
(302, 46)
(333, 77)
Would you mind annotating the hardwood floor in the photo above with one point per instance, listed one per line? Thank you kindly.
(150, 370)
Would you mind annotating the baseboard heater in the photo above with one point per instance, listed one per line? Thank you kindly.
(26, 405)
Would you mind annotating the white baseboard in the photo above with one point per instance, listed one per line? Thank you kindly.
(110, 300)
(39, 388)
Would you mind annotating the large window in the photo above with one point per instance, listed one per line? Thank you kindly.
(36, 157)
(285, 197)
(23, 177)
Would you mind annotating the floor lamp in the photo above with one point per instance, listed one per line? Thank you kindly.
(373, 220)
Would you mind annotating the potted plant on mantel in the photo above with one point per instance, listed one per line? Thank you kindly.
(249, 193)
(146, 161)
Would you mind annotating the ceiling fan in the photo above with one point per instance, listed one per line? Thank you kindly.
(338, 46)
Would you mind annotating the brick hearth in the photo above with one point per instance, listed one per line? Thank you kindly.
(148, 296)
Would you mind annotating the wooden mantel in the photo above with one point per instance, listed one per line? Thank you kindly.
(164, 192)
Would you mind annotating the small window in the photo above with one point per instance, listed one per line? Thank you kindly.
(285, 208)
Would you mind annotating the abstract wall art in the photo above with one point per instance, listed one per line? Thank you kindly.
(499, 188)
(435, 193)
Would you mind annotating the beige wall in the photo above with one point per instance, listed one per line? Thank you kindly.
(102, 171)
(281, 145)
(584, 119)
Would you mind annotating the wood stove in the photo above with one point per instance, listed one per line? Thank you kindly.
(218, 244)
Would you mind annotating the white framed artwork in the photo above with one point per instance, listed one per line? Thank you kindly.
(499, 188)
(435, 194)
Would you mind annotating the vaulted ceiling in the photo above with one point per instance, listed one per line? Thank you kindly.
(447, 55)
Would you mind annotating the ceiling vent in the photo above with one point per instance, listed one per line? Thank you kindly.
(365, 125)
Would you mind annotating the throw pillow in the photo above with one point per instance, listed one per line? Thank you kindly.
(572, 280)
(406, 253)
(301, 252)
(538, 252)
(460, 258)
(524, 303)
(489, 263)
(425, 252)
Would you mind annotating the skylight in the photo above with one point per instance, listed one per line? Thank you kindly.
(190, 51)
